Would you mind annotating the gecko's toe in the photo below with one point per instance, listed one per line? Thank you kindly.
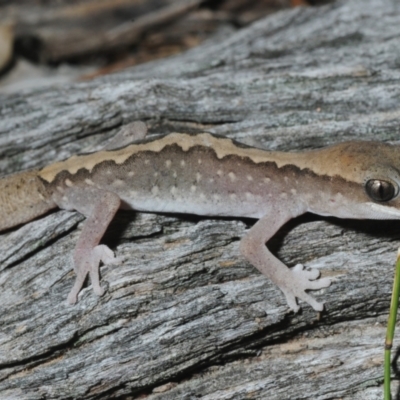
(291, 301)
(317, 306)
(322, 283)
(72, 298)
(105, 254)
(313, 274)
(310, 274)
(97, 289)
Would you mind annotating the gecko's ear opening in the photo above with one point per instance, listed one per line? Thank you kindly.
(381, 190)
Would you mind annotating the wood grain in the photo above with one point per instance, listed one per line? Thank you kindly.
(184, 315)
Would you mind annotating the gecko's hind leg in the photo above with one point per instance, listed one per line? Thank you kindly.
(99, 206)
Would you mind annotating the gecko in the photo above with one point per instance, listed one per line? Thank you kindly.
(209, 175)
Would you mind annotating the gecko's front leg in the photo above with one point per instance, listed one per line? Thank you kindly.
(293, 282)
(99, 207)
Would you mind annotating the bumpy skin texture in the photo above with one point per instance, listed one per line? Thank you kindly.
(207, 175)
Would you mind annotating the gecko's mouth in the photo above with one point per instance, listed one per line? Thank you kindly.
(378, 211)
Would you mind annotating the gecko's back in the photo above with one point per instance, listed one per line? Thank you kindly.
(200, 174)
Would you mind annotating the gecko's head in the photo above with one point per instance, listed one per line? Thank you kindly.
(366, 177)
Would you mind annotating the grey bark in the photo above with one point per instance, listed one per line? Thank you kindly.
(184, 316)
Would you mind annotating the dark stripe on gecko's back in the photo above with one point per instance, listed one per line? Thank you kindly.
(222, 147)
(147, 169)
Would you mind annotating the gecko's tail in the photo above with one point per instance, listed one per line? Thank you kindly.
(23, 197)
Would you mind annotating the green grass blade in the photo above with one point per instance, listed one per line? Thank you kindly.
(390, 328)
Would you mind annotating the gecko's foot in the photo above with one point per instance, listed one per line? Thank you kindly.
(88, 263)
(302, 280)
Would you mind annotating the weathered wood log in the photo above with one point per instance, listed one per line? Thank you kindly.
(184, 316)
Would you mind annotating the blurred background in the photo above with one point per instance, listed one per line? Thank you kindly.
(45, 41)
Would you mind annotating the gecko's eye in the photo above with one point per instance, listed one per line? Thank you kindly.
(380, 190)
